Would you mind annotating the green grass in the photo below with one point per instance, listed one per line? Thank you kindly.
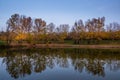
(69, 42)
(2, 43)
(94, 42)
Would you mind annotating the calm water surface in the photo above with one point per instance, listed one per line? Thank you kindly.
(60, 64)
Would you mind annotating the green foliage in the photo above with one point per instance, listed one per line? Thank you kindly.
(93, 42)
(2, 43)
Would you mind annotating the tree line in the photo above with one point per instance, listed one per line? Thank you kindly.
(22, 29)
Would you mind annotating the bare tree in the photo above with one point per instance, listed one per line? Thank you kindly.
(113, 27)
(39, 25)
(51, 28)
(95, 25)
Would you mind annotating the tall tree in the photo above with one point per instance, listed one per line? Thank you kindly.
(114, 30)
(39, 29)
(51, 32)
(39, 25)
(78, 31)
(12, 27)
(62, 32)
(95, 25)
(113, 27)
(26, 27)
(19, 26)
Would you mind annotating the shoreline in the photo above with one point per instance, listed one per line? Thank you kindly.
(28, 46)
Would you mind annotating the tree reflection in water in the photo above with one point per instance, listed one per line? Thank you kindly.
(23, 62)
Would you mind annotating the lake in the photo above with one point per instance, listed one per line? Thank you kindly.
(60, 64)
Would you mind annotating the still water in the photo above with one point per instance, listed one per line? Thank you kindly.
(60, 64)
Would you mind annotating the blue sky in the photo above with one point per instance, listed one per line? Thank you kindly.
(61, 11)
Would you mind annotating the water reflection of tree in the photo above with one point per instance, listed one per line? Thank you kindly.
(93, 61)
(95, 67)
(113, 65)
(18, 65)
(21, 63)
(39, 63)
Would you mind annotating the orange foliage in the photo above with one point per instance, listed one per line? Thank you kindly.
(20, 36)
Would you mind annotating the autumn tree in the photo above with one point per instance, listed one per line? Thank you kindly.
(114, 30)
(20, 26)
(62, 32)
(78, 31)
(26, 24)
(26, 28)
(51, 35)
(94, 28)
(2, 35)
(39, 29)
(12, 27)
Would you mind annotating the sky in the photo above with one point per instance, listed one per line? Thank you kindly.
(61, 11)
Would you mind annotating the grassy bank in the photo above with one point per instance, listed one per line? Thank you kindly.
(102, 44)
(61, 46)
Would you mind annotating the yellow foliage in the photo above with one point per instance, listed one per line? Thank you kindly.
(20, 36)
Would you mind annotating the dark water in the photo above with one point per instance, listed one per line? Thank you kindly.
(60, 64)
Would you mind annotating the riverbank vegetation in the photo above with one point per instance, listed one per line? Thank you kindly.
(21, 30)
